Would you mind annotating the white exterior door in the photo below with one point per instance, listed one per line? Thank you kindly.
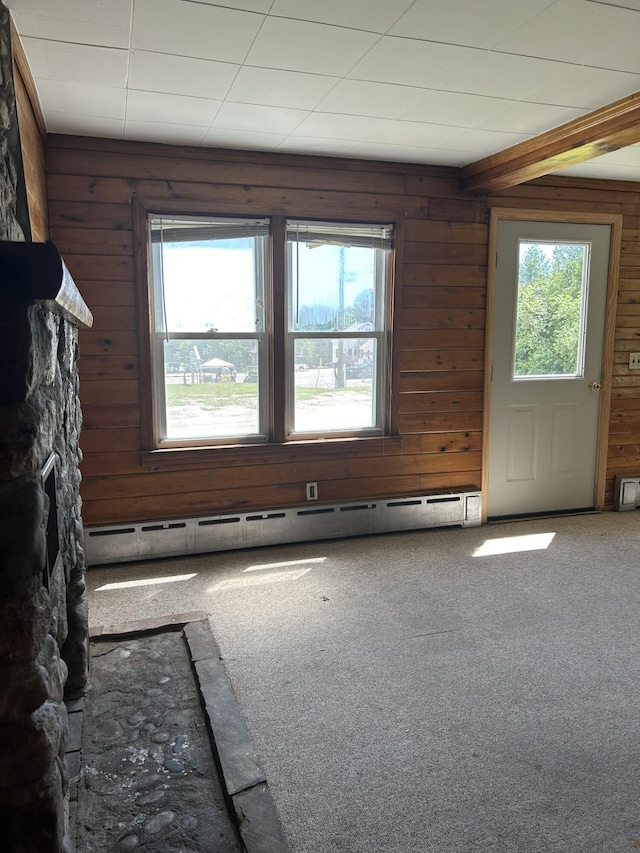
(548, 328)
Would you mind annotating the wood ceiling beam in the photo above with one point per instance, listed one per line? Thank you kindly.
(606, 129)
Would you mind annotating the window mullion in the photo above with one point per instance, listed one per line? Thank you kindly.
(277, 361)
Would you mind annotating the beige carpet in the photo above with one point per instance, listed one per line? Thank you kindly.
(438, 691)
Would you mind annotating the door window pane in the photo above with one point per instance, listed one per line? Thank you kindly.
(550, 309)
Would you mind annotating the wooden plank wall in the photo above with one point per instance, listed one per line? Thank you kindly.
(439, 324)
(595, 196)
(32, 141)
(439, 335)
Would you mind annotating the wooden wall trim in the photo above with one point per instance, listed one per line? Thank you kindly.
(32, 141)
(488, 353)
(22, 66)
(143, 307)
(395, 306)
(608, 345)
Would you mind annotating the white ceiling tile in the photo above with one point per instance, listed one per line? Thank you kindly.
(626, 4)
(362, 97)
(261, 6)
(54, 60)
(180, 75)
(77, 123)
(84, 32)
(114, 12)
(373, 15)
(501, 75)
(291, 89)
(585, 87)
(414, 133)
(250, 117)
(546, 35)
(194, 29)
(456, 109)
(595, 169)
(220, 138)
(170, 134)
(82, 98)
(413, 63)
(337, 126)
(407, 154)
(302, 46)
(467, 23)
(313, 145)
(177, 109)
(623, 157)
(481, 143)
(410, 80)
(530, 118)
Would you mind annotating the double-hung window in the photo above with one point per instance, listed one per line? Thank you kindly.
(209, 343)
(337, 321)
(253, 342)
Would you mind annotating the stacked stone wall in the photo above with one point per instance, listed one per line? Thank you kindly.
(43, 614)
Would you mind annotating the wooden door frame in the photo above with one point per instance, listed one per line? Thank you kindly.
(523, 215)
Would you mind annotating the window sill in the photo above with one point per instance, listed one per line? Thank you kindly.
(178, 458)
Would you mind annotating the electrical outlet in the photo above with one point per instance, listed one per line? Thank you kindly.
(634, 361)
(312, 491)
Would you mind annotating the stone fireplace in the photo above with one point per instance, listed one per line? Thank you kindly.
(43, 611)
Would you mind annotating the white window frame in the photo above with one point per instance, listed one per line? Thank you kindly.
(337, 232)
(159, 333)
(275, 341)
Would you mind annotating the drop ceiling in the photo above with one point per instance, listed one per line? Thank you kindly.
(443, 82)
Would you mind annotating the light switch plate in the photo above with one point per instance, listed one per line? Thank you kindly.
(634, 361)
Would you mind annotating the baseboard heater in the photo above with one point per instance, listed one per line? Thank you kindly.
(153, 540)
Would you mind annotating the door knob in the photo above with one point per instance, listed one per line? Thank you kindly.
(595, 386)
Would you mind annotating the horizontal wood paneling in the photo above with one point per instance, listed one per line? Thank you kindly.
(91, 187)
(105, 367)
(440, 296)
(108, 342)
(110, 416)
(429, 380)
(96, 241)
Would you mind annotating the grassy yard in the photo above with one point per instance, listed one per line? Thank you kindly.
(212, 396)
(219, 395)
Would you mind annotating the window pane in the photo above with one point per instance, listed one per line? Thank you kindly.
(213, 283)
(550, 313)
(335, 287)
(334, 384)
(211, 388)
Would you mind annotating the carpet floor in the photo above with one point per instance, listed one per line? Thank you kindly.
(443, 691)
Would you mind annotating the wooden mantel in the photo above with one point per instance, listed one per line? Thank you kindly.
(35, 271)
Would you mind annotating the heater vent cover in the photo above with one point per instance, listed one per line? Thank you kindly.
(626, 493)
(120, 543)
